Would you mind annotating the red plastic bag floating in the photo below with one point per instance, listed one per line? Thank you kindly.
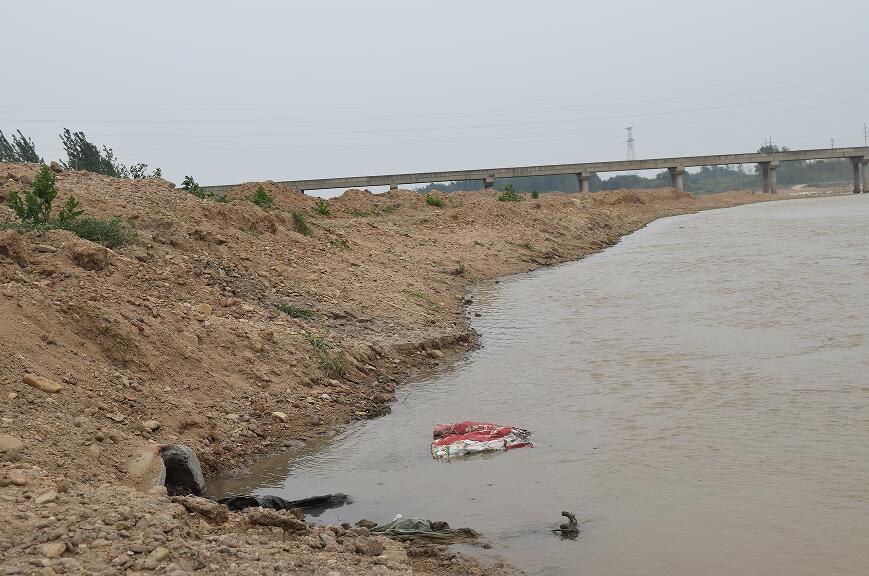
(469, 437)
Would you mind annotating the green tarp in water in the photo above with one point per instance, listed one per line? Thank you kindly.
(421, 529)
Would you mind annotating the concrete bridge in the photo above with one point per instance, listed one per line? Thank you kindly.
(768, 163)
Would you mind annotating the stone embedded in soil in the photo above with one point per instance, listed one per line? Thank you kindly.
(213, 512)
(43, 384)
(368, 546)
(52, 549)
(46, 498)
(159, 553)
(189, 339)
(17, 478)
(266, 517)
(150, 425)
(280, 416)
(205, 309)
(9, 444)
(90, 256)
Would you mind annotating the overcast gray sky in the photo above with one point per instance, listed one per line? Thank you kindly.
(237, 91)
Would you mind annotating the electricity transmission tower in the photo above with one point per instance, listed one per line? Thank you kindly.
(631, 153)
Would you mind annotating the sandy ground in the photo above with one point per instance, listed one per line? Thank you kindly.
(178, 338)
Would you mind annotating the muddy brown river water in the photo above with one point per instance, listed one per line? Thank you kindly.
(699, 395)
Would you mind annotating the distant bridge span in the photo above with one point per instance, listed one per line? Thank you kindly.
(768, 164)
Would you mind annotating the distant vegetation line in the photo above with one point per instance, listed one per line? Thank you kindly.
(709, 180)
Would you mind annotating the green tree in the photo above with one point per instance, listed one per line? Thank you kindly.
(84, 155)
(21, 149)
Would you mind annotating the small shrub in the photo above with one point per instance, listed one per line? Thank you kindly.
(34, 213)
(191, 187)
(459, 270)
(433, 200)
(301, 224)
(139, 172)
(35, 208)
(111, 233)
(69, 213)
(323, 207)
(294, 312)
(535, 194)
(261, 198)
(509, 195)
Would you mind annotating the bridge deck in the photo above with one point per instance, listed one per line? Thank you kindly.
(580, 168)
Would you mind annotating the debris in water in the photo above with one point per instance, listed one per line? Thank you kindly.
(570, 529)
(422, 529)
(469, 437)
(313, 506)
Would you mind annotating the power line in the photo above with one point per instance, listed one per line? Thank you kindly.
(361, 118)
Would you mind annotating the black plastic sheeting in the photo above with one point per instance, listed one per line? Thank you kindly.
(313, 506)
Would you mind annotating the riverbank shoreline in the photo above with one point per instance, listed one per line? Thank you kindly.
(228, 329)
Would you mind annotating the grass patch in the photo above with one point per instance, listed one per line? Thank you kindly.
(323, 208)
(535, 194)
(434, 200)
(331, 364)
(301, 224)
(421, 296)
(261, 198)
(339, 243)
(526, 245)
(294, 312)
(374, 211)
(112, 232)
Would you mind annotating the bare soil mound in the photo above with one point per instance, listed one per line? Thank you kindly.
(285, 198)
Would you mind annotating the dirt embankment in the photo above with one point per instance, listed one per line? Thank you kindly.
(181, 338)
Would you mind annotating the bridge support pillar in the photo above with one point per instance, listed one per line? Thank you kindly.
(488, 182)
(582, 180)
(773, 184)
(676, 174)
(865, 176)
(764, 171)
(857, 163)
(393, 186)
